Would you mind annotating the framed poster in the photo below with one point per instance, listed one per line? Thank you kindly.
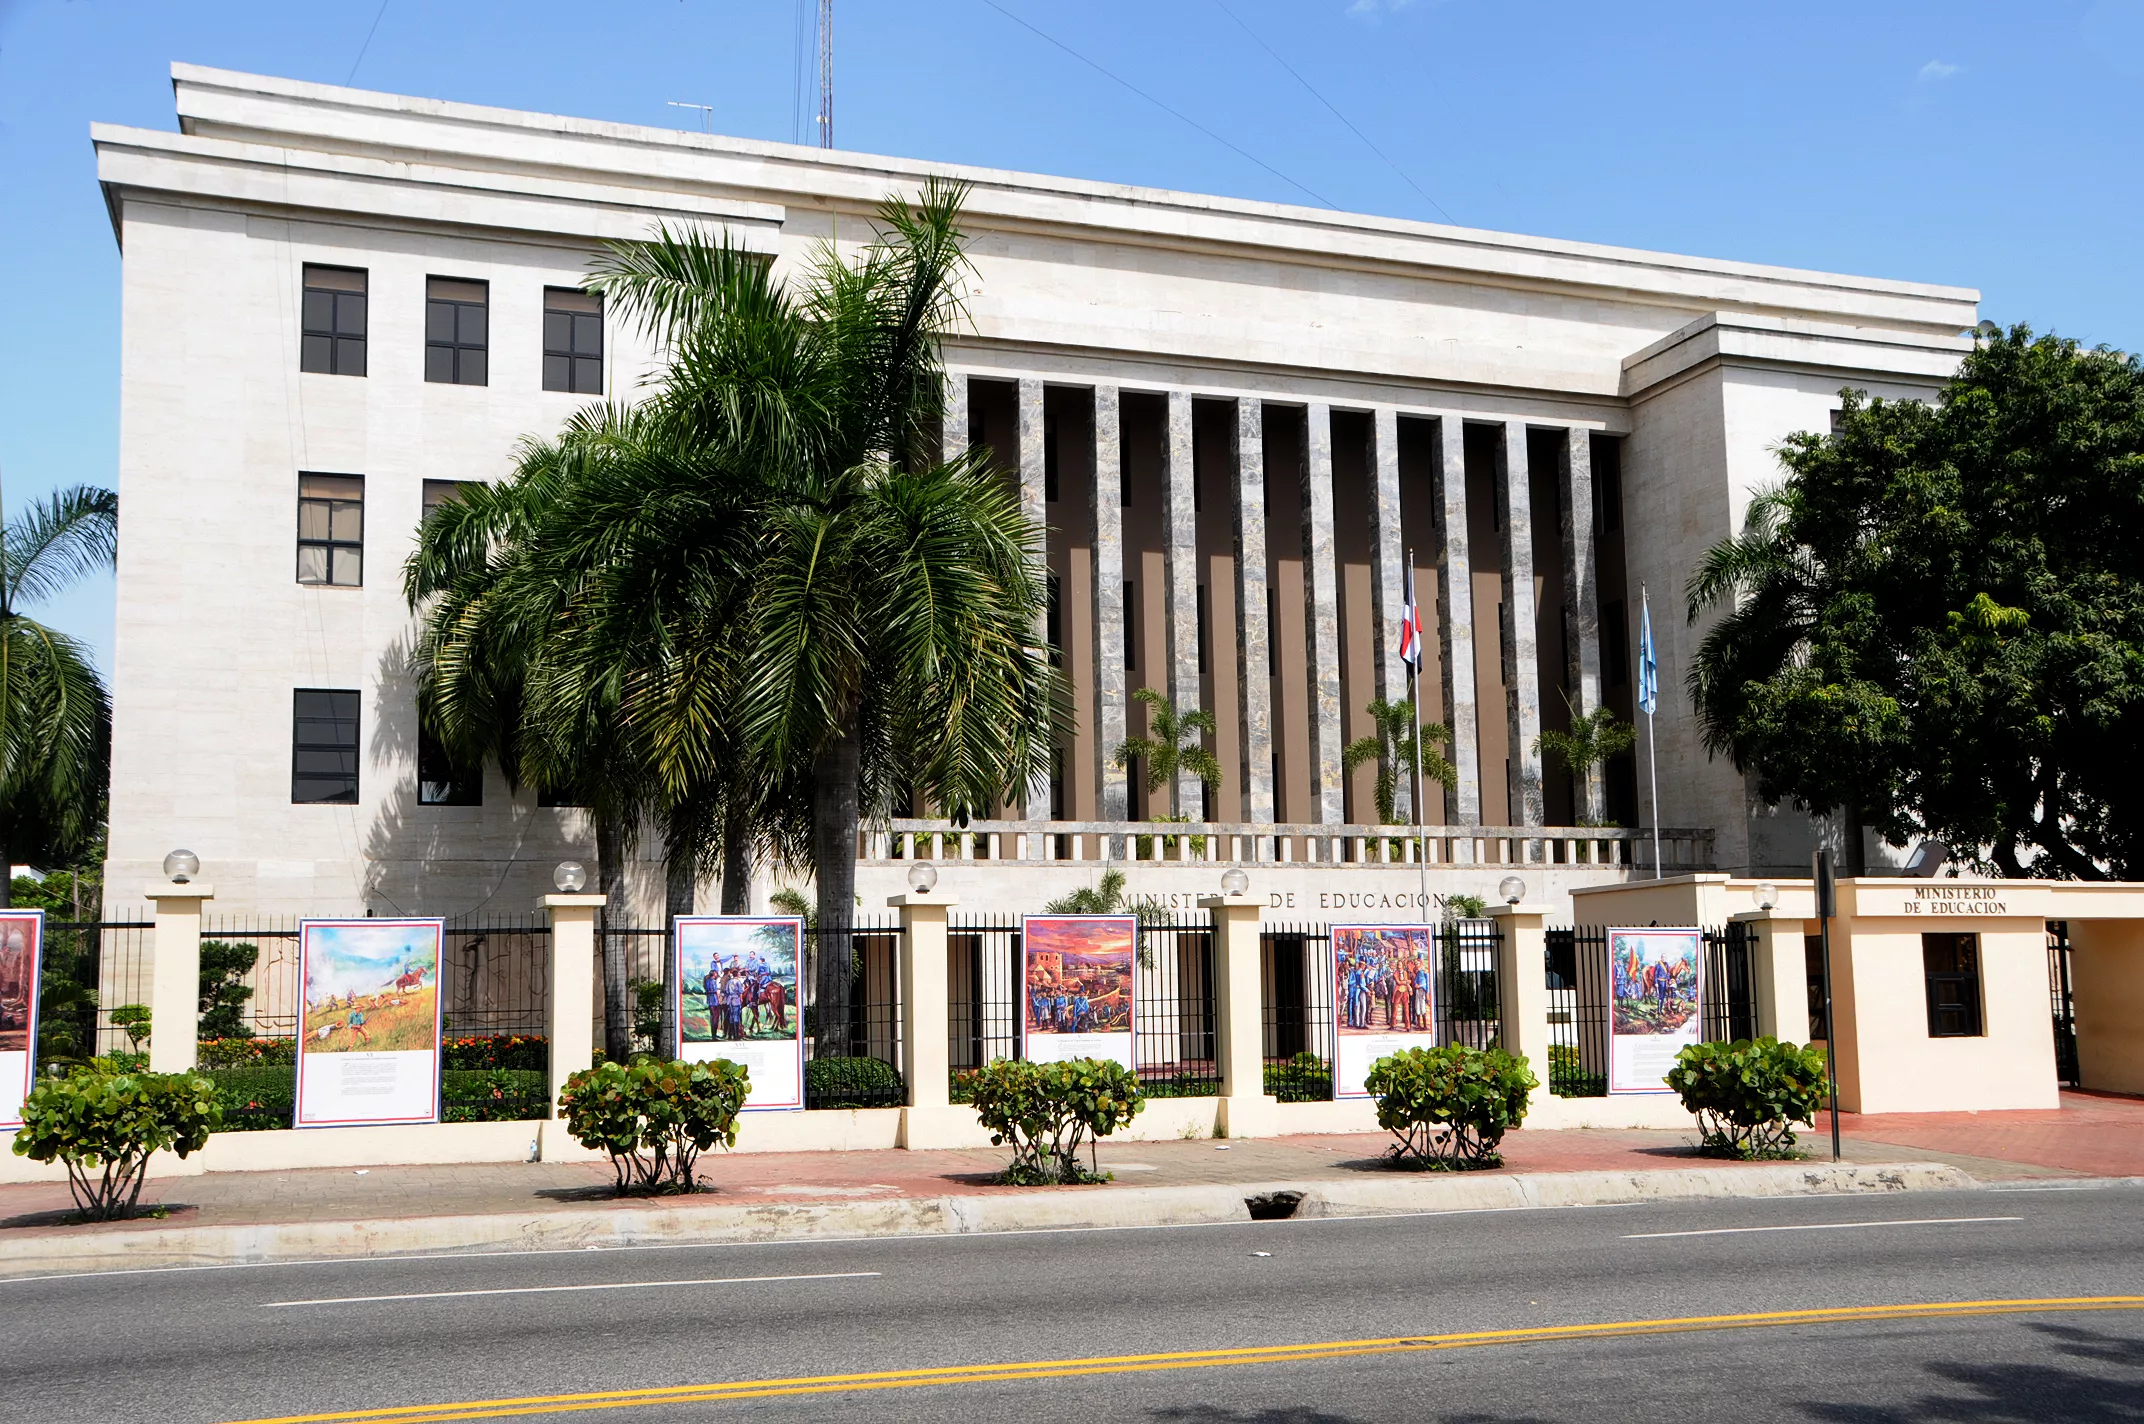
(1384, 998)
(737, 999)
(22, 960)
(368, 1047)
(1655, 977)
(1076, 986)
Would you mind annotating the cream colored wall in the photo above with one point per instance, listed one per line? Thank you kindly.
(1683, 899)
(2107, 986)
(1886, 1060)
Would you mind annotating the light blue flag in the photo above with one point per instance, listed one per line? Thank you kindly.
(1648, 665)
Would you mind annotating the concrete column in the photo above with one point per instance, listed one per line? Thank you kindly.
(1521, 653)
(1581, 605)
(1246, 1109)
(1181, 565)
(930, 1119)
(1455, 619)
(1035, 507)
(1254, 640)
(175, 976)
(1779, 973)
(1111, 695)
(573, 991)
(1522, 987)
(954, 435)
(1388, 571)
(1321, 596)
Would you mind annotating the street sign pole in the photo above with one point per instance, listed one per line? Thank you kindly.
(1827, 898)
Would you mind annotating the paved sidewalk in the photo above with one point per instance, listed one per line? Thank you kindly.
(2090, 1135)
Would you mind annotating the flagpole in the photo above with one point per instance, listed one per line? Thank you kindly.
(1652, 740)
(1414, 698)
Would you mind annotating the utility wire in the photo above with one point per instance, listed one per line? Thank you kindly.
(376, 18)
(1343, 118)
(1173, 113)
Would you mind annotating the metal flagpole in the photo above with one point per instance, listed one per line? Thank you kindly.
(1648, 699)
(1414, 698)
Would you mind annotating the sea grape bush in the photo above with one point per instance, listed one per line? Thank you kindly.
(1045, 1111)
(103, 1122)
(655, 1117)
(1747, 1095)
(1450, 1107)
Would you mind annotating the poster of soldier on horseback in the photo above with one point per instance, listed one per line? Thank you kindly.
(1655, 980)
(737, 999)
(368, 1047)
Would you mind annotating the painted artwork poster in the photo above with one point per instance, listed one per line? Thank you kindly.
(1384, 997)
(22, 953)
(737, 1000)
(368, 1045)
(1076, 986)
(1655, 978)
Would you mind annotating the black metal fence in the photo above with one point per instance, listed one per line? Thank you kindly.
(91, 967)
(2062, 1000)
(1580, 990)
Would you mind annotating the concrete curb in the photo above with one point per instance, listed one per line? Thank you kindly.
(1090, 1209)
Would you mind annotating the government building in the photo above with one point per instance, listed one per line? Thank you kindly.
(1247, 426)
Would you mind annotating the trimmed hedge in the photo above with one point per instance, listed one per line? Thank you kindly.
(1305, 1078)
(853, 1083)
(245, 1052)
(521, 1051)
(266, 1099)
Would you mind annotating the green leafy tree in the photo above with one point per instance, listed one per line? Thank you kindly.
(1046, 1111)
(104, 1122)
(55, 716)
(1174, 745)
(133, 1021)
(1394, 747)
(1935, 625)
(1586, 748)
(224, 991)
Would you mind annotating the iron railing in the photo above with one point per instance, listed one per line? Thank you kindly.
(103, 964)
(1580, 988)
(2063, 1002)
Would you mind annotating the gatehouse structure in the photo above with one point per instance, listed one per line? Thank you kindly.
(1246, 426)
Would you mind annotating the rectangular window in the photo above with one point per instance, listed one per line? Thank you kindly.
(1615, 643)
(323, 748)
(439, 781)
(1131, 627)
(1124, 475)
(332, 322)
(439, 492)
(1049, 459)
(1272, 633)
(331, 530)
(572, 341)
(456, 331)
(1951, 963)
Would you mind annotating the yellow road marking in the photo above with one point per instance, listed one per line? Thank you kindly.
(1182, 1360)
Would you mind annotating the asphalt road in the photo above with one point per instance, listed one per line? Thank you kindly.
(355, 1339)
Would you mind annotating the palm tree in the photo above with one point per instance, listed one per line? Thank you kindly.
(1175, 743)
(55, 716)
(1593, 739)
(1394, 747)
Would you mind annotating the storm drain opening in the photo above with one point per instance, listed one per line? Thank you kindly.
(1273, 1206)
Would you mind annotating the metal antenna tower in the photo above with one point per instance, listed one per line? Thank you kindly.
(826, 73)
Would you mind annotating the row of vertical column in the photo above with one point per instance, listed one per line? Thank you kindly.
(1516, 560)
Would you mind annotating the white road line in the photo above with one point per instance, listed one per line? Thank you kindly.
(553, 1290)
(1824, 1226)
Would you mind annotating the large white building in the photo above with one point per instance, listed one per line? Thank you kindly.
(1240, 420)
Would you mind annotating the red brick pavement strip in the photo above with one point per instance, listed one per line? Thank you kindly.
(2095, 1134)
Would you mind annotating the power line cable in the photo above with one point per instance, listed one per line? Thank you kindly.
(1343, 118)
(376, 18)
(1173, 113)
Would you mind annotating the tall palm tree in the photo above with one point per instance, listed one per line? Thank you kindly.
(1175, 742)
(1393, 747)
(55, 716)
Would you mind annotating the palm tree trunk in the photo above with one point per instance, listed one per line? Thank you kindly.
(678, 889)
(617, 1006)
(835, 813)
(736, 866)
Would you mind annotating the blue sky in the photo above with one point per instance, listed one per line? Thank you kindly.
(1990, 145)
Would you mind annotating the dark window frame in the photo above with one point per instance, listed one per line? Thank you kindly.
(333, 321)
(1951, 973)
(329, 545)
(439, 781)
(571, 315)
(467, 355)
(324, 771)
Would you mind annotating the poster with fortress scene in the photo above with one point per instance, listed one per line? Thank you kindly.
(22, 944)
(368, 1043)
(1384, 998)
(1076, 986)
(1655, 977)
(737, 999)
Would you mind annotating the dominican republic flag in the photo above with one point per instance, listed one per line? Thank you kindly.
(1411, 627)
(1648, 665)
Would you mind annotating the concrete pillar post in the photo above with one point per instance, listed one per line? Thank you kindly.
(175, 976)
(573, 988)
(1246, 1109)
(1779, 973)
(1111, 695)
(953, 432)
(1581, 606)
(1455, 620)
(1321, 590)
(1254, 647)
(1034, 506)
(930, 1118)
(1388, 577)
(1521, 651)
(1181, 573)
(1522, 986)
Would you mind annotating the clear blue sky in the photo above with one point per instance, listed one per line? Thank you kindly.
(1991, 145)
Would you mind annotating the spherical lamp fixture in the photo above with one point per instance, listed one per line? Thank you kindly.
(1234, 881)
(1512, 889)
(181, 866)
(570, 877)
(922, 878)
(1767, 895)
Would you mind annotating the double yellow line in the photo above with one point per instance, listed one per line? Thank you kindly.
(1184, 1360)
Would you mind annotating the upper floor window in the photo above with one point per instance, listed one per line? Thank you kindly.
(439, 492)
(333, 321)
(440, 781)
(572, 341)
(456, 331)
(331, 530)
(323, 747)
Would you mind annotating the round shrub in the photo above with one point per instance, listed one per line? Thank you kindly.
(104, 1123)
(1046, 1110)
(1450, 1107)
(655, 1117)
(1748, 1094)
(245, 1052)
(852, 1083)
